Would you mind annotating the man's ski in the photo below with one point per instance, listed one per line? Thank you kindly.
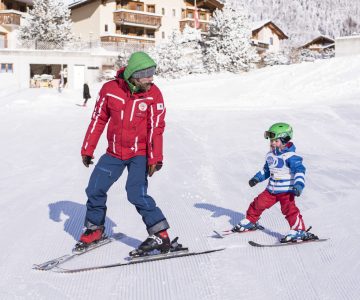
(48, 265)
(141, 259)
(224, 233)
(278, 244)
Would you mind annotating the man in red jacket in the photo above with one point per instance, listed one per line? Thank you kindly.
(133, 108)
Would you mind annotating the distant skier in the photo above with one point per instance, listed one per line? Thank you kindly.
(286, 174)
(133, 108)
(86, 93)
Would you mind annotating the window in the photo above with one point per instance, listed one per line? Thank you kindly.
(151, 8)
(138, 7)
(190, 15)
(106, 28)
(271, 41)
(174, 12)
(151, 34)
(163, 11)
(6, 68)
(163, 34)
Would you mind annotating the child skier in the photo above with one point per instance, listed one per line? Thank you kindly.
(286, 175)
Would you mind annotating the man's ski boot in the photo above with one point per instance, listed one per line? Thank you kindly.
(246, 225)
(157, 242)
(298, 236)
(90, 237)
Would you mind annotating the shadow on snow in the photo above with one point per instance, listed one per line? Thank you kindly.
(234, 216)
(74, 222)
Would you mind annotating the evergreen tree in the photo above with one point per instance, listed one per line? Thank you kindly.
(228, 46)
(48, 21)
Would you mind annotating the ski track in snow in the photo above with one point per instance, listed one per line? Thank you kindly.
(213, 146)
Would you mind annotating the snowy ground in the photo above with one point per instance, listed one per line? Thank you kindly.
(213, 145)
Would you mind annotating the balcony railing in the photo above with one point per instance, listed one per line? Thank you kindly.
(260, 46)
(203, 26)
(8, 18)
(124, 38)
(137, 18)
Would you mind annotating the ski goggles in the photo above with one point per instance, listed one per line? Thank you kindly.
(269, 135)
(149, 72)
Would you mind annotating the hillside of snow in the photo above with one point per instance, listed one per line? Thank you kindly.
(303, 20)
(213, 145)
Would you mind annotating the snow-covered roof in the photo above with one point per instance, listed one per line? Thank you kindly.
(78, 3)
(29, 2)
(322, 39)
(355, 36)
(258, 25)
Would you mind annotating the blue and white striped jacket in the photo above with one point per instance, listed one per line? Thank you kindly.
(284, 169)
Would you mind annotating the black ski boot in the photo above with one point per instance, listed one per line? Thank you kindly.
(159, 241)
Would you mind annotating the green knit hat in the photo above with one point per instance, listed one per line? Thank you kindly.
(138, 61)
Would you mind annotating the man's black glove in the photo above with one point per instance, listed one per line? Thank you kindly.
(154, 167)
(87, 160)
(253, 181)
(297, 189)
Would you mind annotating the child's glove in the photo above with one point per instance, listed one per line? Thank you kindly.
(297, 189)
(253, 181)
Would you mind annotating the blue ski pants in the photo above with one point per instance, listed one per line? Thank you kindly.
(107, 171)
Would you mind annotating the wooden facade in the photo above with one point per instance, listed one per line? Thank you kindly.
(9, 18)
(15, 5)
(205, 9)
(145, 19)
(320, 43)
(122, 17)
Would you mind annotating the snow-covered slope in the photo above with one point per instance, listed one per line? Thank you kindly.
(303, 20)
(213, 145)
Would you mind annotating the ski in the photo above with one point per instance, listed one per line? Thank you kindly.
(48, 265)
(278, 244)
(224, 233)
(141, 259)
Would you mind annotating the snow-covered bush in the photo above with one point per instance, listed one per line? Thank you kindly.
(310, 55)
(48, 22)
(122, 59)
(180, 55)
(276, 58)
(227, 47)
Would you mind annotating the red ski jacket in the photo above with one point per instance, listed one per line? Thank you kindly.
(136, 122)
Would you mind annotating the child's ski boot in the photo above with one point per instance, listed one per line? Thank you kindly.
(298, 236)
(246, 225)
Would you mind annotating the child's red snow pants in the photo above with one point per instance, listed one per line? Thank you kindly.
(288, 207)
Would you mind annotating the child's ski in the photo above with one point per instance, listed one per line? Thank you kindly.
(278, 244)
(48, 265)
(141, 259)
(224, 233)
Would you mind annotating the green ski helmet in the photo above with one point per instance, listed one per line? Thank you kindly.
(280, 131)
